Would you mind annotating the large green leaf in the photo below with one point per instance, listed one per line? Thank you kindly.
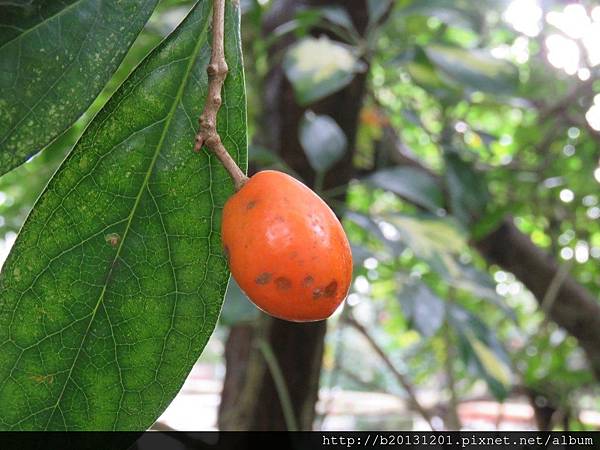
(55, 57)
(116, 280)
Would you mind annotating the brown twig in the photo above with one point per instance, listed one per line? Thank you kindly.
(577, 91)
(425, 414)
(453, 421)
(208, 135)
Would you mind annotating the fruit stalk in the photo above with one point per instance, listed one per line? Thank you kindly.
(217, 69)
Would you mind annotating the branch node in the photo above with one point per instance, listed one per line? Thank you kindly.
(217, 69)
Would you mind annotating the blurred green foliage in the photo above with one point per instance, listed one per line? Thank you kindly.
(479, 104)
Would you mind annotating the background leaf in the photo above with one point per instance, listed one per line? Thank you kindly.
(334, 14)
(474, 68)
(115, 282)
(319, 67)
(55, 57)
(481, 350)
(447, 11)
(323, 141)
(437, 241)
(411, 184)
(369, 224)
(467, 189)
(422, 308)
(377, 8)
(481, 285)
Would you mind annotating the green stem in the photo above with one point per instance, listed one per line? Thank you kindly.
(319, 182)
(280, 385)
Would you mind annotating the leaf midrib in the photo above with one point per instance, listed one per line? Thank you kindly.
(170, 116)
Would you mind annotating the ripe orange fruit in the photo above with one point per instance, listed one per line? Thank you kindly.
(286, 248)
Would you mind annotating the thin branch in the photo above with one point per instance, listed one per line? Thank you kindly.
(338, 353)
(208, 135)
(453, 419)
(581, 122)
(553, 289)
(399, 376)
(562, 105)
(358, 380)
(280, 384)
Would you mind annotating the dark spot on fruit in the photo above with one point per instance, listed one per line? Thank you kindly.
(293, 254)
(250, 204)
(283, 283)
(263, 278)
(331, 289)
(308, 281)
(317, 293)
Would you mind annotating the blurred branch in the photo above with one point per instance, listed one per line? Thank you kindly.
(543, 148)
(574, 308)
(551, 116)
(402, 155)
(582, 122)
(554, 287)
(562, 105)
(452, 418)
(404, 382)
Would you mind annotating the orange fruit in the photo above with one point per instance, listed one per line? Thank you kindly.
(286, 248)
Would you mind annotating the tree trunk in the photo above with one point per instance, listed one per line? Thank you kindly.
(250, 400)
(238, 348)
